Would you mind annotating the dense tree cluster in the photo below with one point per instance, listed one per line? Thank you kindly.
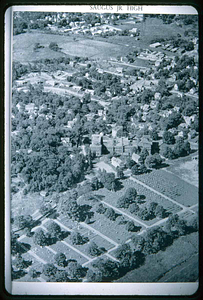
(128, 198)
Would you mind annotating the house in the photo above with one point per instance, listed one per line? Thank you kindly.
(96, 145)
(117, 130)
(65, 140)
(155, 45)
(71, 123)
(135, 157)
(100, 112)
(157, 96)
(116, 162)
(44, 193)
(133, 30)
(30, 108)
(188, 119)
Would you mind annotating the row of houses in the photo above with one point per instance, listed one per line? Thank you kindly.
(122, 145)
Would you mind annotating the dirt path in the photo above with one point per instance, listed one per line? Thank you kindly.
(125, 214)
(158, 193)
(76, 250)
(99, 233)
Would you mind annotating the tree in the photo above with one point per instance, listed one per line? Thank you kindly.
(130, 163)
(155, 240)
(160, 212)
(193, 223)
(168, 138)
(40, 238)
(76, 238)
(182, 148)
(123, 202)
(49, 270)
(120, 173)
(54, 46)
(167, 152)
(131, 194)
(143, 155)
(23, 221)
(138, 169)
(32, 273)
(173, 219)
(154, 135)
(60, 259)
(93, 276)
(45, 208)
(75, 270)
(181, 227)
(121, 220)
(95, 183)
(69, 207)
(122, 251)
(100, 209)
(107, 180)
(61, 276)
(130, 226)
(20, 263)
(138, 242)
(134, 208)
(144, 213)
(153, 161)
(54, 229)
(108, 268)
(110, 214)
(93, 249)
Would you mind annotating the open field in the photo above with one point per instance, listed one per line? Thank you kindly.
(19, 203)
(187, 169)
(112, 197)
(185, 272)
(95, 47)
(171, 186)
(151, 29)
(180, 253)
(85, 47)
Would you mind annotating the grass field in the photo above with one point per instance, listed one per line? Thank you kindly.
(95, 47)
(171, 186)
(156, 265)
(186, 169)
(112, 197)
(151, 29)
(24, 43)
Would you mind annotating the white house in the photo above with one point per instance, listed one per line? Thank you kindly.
(135, 157)
(116, 162)
(155, 45)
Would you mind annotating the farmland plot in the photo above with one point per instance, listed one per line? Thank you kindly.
(171, 186)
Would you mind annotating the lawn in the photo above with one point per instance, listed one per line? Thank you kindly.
(85, 47)
(111, 229)
(70, 254)
(44, 253)
(151, 29)
(19, 203)
(186, 169)
(156, 265)
(171, 186)
(111, 198)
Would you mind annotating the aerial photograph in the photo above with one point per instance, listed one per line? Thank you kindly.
(104, 147)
